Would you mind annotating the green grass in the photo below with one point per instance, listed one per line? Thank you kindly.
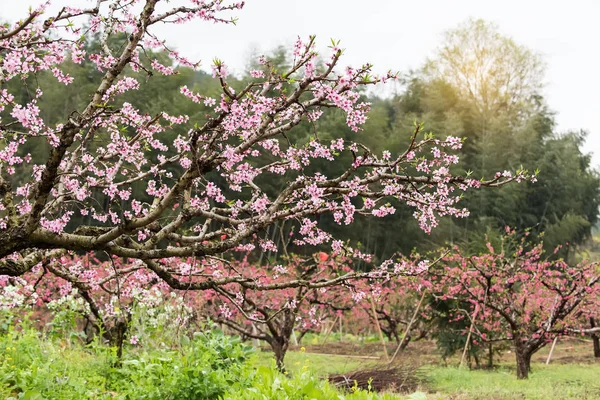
(572, 381)
(322, 365)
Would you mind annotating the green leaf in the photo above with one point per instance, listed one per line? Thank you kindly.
(32, 395)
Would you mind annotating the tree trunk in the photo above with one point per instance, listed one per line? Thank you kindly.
(388, 326)
(595, 339)
(405, 342)
(490, 355)
(118, 335)
(301, 335)
(523, 361)
(280, 346)
(91, 330)
(422, 335)
(388, 334)
(394, 331)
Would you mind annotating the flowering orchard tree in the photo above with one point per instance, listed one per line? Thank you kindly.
(589, 316)
(204, 186)
(396, 307)
(107, 295)
(110, 294)
(273, 315)
(516, 294)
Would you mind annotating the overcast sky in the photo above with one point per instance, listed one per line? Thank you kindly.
(399, 35)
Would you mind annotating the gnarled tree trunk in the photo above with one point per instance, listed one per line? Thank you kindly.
(523, 357)
(301, 335)
(595, 339)
(405, 341)
(280, 346)
(116, 336)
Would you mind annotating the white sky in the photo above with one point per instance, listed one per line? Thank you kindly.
(399, 35)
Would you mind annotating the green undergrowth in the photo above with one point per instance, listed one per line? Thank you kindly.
(204, 368)
(209, 366)
(212, 365)
(269, 384)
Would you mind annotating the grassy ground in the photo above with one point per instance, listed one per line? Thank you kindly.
(322, 364)
(572, 374)
(575, 381)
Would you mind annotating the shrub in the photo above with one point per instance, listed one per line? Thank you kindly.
(269, 384)
(204, 368)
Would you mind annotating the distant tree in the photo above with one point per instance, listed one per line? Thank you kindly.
(483, 86)
(492, 71)
(515, 293)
